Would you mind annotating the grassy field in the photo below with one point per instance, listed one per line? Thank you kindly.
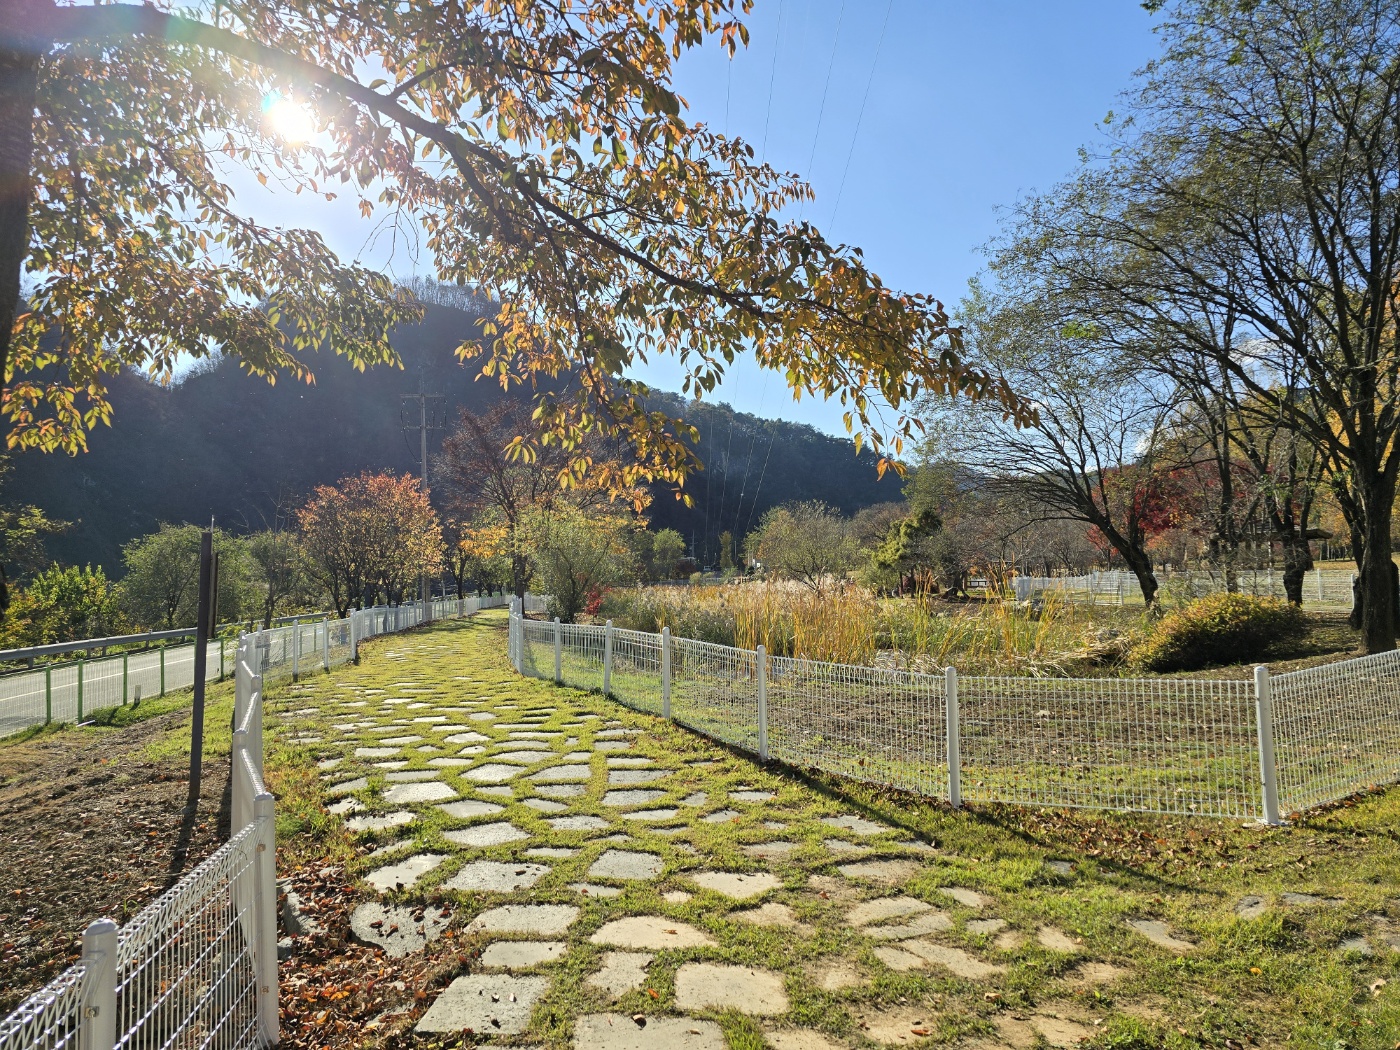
(1282, 979)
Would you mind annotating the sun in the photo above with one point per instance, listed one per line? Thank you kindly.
(293, 122)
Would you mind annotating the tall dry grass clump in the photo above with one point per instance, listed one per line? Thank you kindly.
(852, 626)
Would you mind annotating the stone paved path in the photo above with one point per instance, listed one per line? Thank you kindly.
(628, 885)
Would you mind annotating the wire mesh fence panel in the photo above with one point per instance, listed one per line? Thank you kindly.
(1336, 729)
(185, 972)
(48, 1019)
(537, 648)
(1167, 746)
(636, 670)
(714, 690)
(866, 723)
(581, 655)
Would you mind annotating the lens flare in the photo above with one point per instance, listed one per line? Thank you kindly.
(292, 122)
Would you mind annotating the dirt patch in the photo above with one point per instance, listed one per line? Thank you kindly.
(90, 827)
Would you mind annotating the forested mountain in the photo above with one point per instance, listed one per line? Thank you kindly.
(225, 445)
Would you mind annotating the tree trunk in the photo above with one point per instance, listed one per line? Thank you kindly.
(19, 78)
(1297, 560)
(1377, 591)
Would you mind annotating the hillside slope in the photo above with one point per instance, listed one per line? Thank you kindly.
(225, 445)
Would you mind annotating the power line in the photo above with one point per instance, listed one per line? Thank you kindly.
(772, 74)
(874, 64)
(773, 435)
(821, 109)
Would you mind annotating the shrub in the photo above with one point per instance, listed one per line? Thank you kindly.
(1218, 629)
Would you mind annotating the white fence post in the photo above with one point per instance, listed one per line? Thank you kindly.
(97, 1027)
(607, 658)
(1268, 768)
(354, 642)
(265, 905)
(761, 665)
(558, 653)
(296, 649)
(326, 643)
(950, 678)
(665, 672)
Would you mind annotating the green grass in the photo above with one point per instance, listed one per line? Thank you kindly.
(1279, 980)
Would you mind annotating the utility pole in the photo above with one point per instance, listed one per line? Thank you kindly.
(431, 415)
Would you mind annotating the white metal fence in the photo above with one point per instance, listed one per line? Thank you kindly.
(197, 968)
(75, 691)
(1330, 587)
(1260, 749)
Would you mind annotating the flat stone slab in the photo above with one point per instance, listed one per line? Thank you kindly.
(966, 897)
(636, 776)
(636, 797)
(401, 794)
(376, 752)
(710, 986)
(492, 773)
(885, 908)
(493, 876)
(411, 776)
(752, 796)
(520, 955)
(917, 926)
(651, 931)
(987, 927)
(677, 896)
(651, 814)
(801, 1039)
(626, 866)
(954, 959)
(592, 889)
(884, 872)
(769, 915)
(1251, 907)
(856, 825)
(525, 758)
(577, 823)
(1159, 934)
(346, 805)
(397, 929)
(619, 1032)
(560, 790)
(401, 741)
(1304, 900)
(496, 792)
(1055, 940)
(485, 1003)
(629, 763)
(483, 835)
(447, 763)
(561, 774)
(551, 851)
(739, 885)
(695, 798)
(542, 920)
(469, 809)
(721, 816)
(380, 821)
(347, 786)
(467, 738)
(612, 745)
(544, 805)
(621, 972)
(405, 873)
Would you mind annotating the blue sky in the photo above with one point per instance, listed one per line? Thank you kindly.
(965, 108)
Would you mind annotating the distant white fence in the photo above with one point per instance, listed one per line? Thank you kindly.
(197, 967)
(74, 691)
(1260, 749)
(1115, 587)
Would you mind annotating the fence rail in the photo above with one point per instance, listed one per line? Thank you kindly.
(197, 968)
(1276, 746)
